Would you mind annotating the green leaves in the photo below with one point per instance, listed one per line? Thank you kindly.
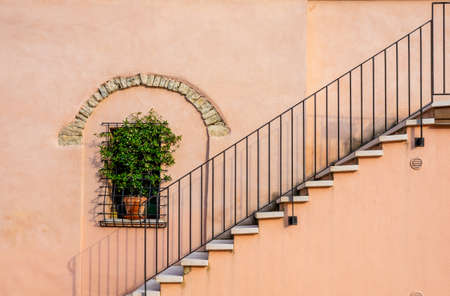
(135, 153)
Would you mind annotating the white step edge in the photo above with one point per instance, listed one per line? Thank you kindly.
(344, 168)
(153, 289)
(269, 215)
(195, 259)
(393, 138)
(245, 229)
(173, 274)
(439, 104)
(316, 184)
(369, 153)
(220, 245)
(297, 198)
(415, 122)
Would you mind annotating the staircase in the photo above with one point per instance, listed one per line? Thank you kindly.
(269, 173)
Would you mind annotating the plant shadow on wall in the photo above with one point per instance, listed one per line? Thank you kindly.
(135, 155)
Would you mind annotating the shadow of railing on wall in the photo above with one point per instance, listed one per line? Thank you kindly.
(111, 266)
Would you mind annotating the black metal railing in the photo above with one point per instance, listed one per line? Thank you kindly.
(396, 83)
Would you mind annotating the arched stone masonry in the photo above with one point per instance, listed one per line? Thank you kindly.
(72, 133)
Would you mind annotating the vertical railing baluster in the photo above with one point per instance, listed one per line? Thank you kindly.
(223, 206)
(362, 102)
(292, 160)
(179, 217)
(326, 125)
(443, 46)
(303, 142)
(421, 103)
(338, 121)
(201, 204)
(235, 182)
(257, 168)
(246, 176)
(190, 212)
(350, 116)
(145, 256)
(409, 75)
(385, 92)
(281, 154)
(212, 199)
(373, 97)
(268, 170)
(168, 226)
(156, 237)
(396, 79)
(432, 51)
(315, 137)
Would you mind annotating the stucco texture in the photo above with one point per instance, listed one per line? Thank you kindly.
(247, 56)
(379, 231)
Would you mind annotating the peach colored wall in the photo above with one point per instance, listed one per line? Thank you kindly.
(247, 56)
(379, 231)
(342, 34)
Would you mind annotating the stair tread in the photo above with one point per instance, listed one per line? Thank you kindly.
(195, 259)
(297, 198)
(245, 229)
(316, 184)
(439, 104)
(344, 168)
(220, 244)
(368, 153)
(269, 215)
(393, 138)
(414, 122)
(173, 274)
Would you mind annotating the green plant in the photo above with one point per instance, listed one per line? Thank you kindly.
(135, 153)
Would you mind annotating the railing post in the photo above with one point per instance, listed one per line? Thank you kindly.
(145, 238)
(292, 220)
(432, 51)
(420, 142)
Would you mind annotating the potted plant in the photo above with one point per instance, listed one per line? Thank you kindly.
(135, 154)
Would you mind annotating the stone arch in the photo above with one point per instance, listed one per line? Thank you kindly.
(72, 133)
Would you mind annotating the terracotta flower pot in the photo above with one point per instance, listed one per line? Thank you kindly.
(135, 207)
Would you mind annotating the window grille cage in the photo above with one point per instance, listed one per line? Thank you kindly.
(127, 208)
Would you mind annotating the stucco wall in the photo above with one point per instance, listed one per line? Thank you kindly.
(247, 56)
(342, 34)
(379, 231)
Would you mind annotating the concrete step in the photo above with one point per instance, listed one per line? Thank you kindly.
(341, 169)
(416, 122)
(344, 168)
(368, 153)
(393, 138)
(297, 199)
(173, 274)
(195, 259)
(316, 184)
(153, 289)
(440, 104)
(220, 245)
(245, 229)
(269, 215)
